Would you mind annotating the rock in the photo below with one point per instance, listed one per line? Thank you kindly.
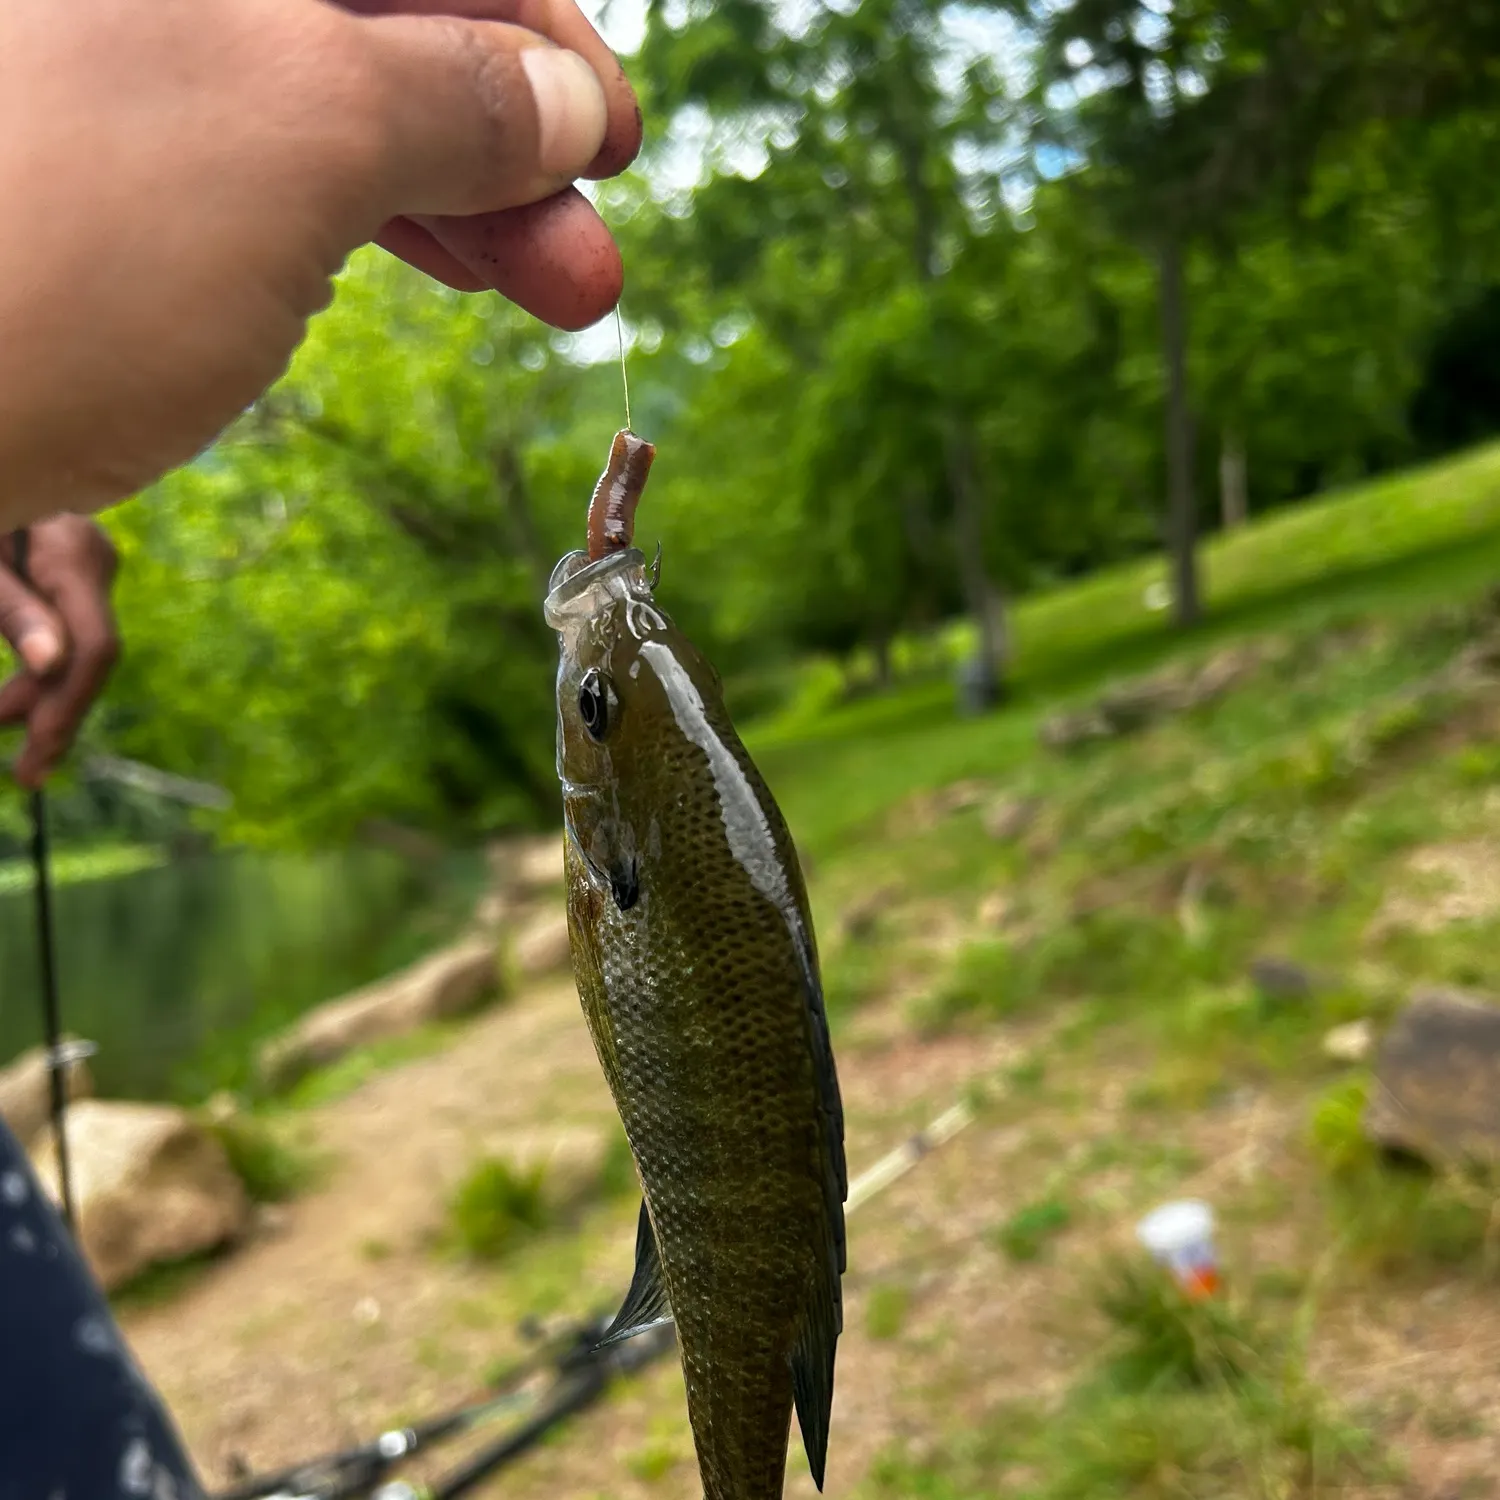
(542, 946)
(1067, 731)
(26, 1091)
(442, 985)
(1281, 978)
(491, 910)
(150, 1185)
(1008, 818)
(1224, 670)
(527, 866)
(1133, 706)
(1350, 1043)
(1437, 1080)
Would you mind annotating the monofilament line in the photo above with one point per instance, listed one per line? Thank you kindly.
(624, 378)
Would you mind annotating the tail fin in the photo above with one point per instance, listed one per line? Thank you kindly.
(812, 1376)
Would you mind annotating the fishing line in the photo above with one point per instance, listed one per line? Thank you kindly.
(57, 1059)
(624, 378)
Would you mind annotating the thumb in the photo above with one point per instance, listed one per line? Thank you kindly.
(32, 629)
(478, 115)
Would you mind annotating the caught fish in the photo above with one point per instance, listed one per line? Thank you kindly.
(697, 967)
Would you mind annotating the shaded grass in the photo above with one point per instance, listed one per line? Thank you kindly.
(495, 1208)
(160, 1284)
(340, 1079)
(1394, 1216)
(1026, 1234)
(1202, 1399)
(272, 1168)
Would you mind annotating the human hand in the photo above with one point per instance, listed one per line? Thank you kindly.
(181, 180)
(60, 623)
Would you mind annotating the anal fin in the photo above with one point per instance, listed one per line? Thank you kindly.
(646, 1304)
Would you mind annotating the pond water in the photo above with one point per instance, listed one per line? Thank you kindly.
(176, 971)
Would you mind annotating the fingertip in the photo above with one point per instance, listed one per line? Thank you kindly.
(623, 133)
(40, 649)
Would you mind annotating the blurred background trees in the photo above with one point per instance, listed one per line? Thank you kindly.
(928, 305)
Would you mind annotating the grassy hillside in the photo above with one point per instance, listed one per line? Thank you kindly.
(1335, 805)
(1389, 549)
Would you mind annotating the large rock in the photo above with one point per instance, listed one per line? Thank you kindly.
(1131, 706)
(443, 985)
(527, 866)
(26, 1091)
(150, 1185)
(542, 945)
(1437, 1080)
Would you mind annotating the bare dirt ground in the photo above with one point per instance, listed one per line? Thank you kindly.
(349, 1319)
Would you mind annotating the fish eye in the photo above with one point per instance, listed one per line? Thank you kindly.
(593, 703)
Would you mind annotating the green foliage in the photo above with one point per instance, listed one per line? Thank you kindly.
(1165, 1338)
(1193, 1399)
(163, 1283)
(1395, 1215)
(617, 1176)
(352, 1071)
(495, 1208)
(1026, 1234)
(885, 1310)
(1111, 951)
(272, 1168)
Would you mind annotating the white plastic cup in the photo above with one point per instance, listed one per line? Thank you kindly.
(1180, 1237)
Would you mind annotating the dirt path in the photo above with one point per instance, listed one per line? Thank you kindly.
(300, 1340)
(350, 1320)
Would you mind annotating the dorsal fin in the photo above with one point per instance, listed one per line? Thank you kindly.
(646, 1304)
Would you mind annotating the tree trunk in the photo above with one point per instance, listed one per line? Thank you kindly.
(1233, 483)
(981, 596)
(1182, 519)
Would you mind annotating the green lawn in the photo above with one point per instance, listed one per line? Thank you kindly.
(1289, 816)
(1389, 549)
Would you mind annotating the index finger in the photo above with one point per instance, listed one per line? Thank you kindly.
(565, 24)
(63, 704)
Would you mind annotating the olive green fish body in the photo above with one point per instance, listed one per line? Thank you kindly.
(697, 968)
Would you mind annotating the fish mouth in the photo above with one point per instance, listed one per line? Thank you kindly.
(575, 578)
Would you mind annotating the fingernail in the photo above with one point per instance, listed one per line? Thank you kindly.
(569, 109)
(38, 648)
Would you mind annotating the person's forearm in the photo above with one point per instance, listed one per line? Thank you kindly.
(180, 183)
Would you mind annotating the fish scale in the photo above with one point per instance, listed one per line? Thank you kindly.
(697, 968)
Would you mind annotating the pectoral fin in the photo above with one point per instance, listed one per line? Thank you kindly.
(646, 1304)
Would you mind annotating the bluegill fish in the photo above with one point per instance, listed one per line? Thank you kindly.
(697, 967)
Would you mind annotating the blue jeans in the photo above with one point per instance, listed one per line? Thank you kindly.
(78, 1420)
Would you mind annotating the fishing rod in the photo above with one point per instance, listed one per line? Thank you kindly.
(355, 1471)
(582, 1373)
(58, 1058)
